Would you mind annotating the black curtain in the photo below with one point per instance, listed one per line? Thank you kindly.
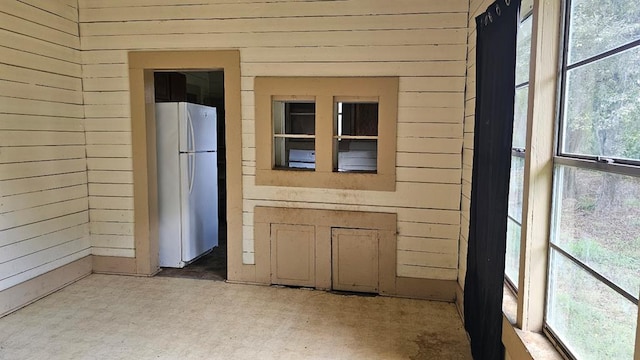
(495, 92)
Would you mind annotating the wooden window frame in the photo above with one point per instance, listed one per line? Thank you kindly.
(325, 90)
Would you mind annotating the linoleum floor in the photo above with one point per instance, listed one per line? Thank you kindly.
(120, 317)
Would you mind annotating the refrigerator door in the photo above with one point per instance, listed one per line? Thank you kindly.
(199, 200)
(197, 128)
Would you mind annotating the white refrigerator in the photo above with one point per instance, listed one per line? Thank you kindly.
(187, 181)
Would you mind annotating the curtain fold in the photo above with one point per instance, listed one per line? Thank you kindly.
(495, 91)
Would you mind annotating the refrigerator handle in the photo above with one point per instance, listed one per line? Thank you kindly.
(191, 132)
(192, 172)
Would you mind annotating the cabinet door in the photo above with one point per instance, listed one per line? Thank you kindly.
(293, 255)
(355, 260)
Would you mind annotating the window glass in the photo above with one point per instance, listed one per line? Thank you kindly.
(516, 184)
(598, 26)
(592, 320)
(294, 135)
(523, 51)
(596, 219)
(602, 108)
(594, 262)
(514, 220)
(518, 142)
(512, 256)
(520, 118)
(356, 137)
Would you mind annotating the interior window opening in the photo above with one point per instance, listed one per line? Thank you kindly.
(294, 135)
(356, 137)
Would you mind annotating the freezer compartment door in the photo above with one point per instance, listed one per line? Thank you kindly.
(199, 196)
(197, 128)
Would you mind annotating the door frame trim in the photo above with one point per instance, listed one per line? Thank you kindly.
(142, 64)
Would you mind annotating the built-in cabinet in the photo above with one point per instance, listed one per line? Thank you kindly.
(324, 249)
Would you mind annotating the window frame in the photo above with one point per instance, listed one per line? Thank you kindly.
(325, 90)
(600, 163)
(520, 152)
(603, 164)
(524, 312)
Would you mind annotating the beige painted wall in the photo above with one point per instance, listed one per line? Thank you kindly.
(422, 42)
(43, 180)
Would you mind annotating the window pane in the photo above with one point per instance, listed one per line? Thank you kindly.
(356, 155)
(520, 118)
(592, 320)
(523, 51)
(516, 185)
(602, 107)
(360, 154)
(294, 117)
(596, 219)
(357, 119)
(597, 26)
(294, 153)
(512, 260)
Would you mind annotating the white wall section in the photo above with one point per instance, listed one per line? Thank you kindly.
(44, 218)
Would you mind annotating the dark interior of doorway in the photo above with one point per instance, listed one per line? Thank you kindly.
(204, 88)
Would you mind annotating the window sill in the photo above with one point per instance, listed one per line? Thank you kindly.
(326, 180)
(523, 344)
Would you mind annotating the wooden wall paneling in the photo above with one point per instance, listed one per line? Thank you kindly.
(266, 10)
(40, 153)
(41, 183)
(30, 290)
(50, 260)
(43, 192)
(59, 8)
(39, 31)
(34, 199)
(372, 42)
(39, 16)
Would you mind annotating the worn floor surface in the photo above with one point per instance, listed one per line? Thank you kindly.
(118, 317)
(212, 266)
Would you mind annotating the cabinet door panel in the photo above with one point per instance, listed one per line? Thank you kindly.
(355, 260)
(293, 255)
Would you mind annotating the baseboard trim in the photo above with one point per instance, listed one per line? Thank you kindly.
(428, 289)
(25, 293)
(114, 265)
(460, 300)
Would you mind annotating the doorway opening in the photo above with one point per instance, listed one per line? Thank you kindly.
(201, 214)
(142, 65)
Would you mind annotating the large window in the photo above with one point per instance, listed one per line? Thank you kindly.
(516, 182)
(594, 256)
